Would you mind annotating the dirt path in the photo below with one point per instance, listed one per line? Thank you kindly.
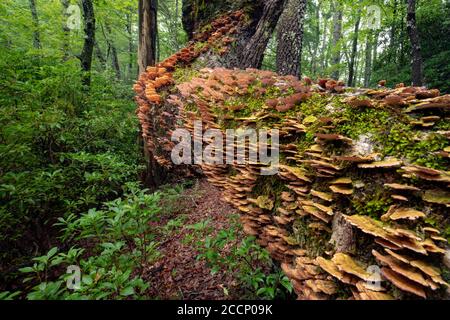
(178, 274)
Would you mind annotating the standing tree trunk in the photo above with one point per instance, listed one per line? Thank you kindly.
(323, 53)
(393, 33)
(112, 47)
(416, 54)
(147, 33)
(148, 27)
(316, 43)
(290, 38)
(403, 54)
(337, 35)
(253, 54)
(175, 35)
(66, 31)
(351, 66)
(89, 41)
(130, 43)
(35, 17)
(368, 62)
(100, 56)
(375, 48)
(359, 68)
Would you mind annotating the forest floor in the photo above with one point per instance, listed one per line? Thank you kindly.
(178, 274)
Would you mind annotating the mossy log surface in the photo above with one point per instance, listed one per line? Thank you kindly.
(363, 188)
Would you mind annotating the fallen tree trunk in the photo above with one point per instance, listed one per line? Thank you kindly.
(346, 206)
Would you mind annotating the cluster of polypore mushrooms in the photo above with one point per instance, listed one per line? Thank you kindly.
(317, 185)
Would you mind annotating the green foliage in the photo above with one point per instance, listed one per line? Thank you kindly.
(8, 295)
(185, 74)
(373, 205)
(432, 22)
(315, 243)
(367, 121)
(62, 151)
(419, 150)
(259, 277)
(171, 34)
(447, 233)
(119, 245)
(174, 224)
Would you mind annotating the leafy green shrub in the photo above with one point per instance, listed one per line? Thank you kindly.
(117, 246)
(259, 277)
(62, 151)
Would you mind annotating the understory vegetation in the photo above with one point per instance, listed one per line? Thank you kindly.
(71, 206)
(259, 277)
(63, 153)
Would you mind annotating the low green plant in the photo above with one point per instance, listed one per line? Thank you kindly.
(119, 242)
(174, 224)
(259, 277)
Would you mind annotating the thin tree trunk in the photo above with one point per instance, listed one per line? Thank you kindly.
(323, 54)
(147, 33)
(316, 40)
(253, 54)
(35, 17)
(359, 68)
(66, 31)
(393, 34)
(130, 43)
(368, 62)
(337, 35)
(290, 38)
(351, 67)
(375, 48)
(416, 54)
(355, 77)
(175, 29)
(403, 56)
(89, 41)
(100, 55)
(114, 58)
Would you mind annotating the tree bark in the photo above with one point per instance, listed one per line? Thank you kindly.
(351, 66)
(198, 12)
(35, 17)
(147, 33)
(253, 53)
(89, 41)
(290, 38)
(251, 42)
(416, 54)
(337, 36)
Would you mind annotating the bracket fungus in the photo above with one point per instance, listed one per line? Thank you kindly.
(322, 174)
